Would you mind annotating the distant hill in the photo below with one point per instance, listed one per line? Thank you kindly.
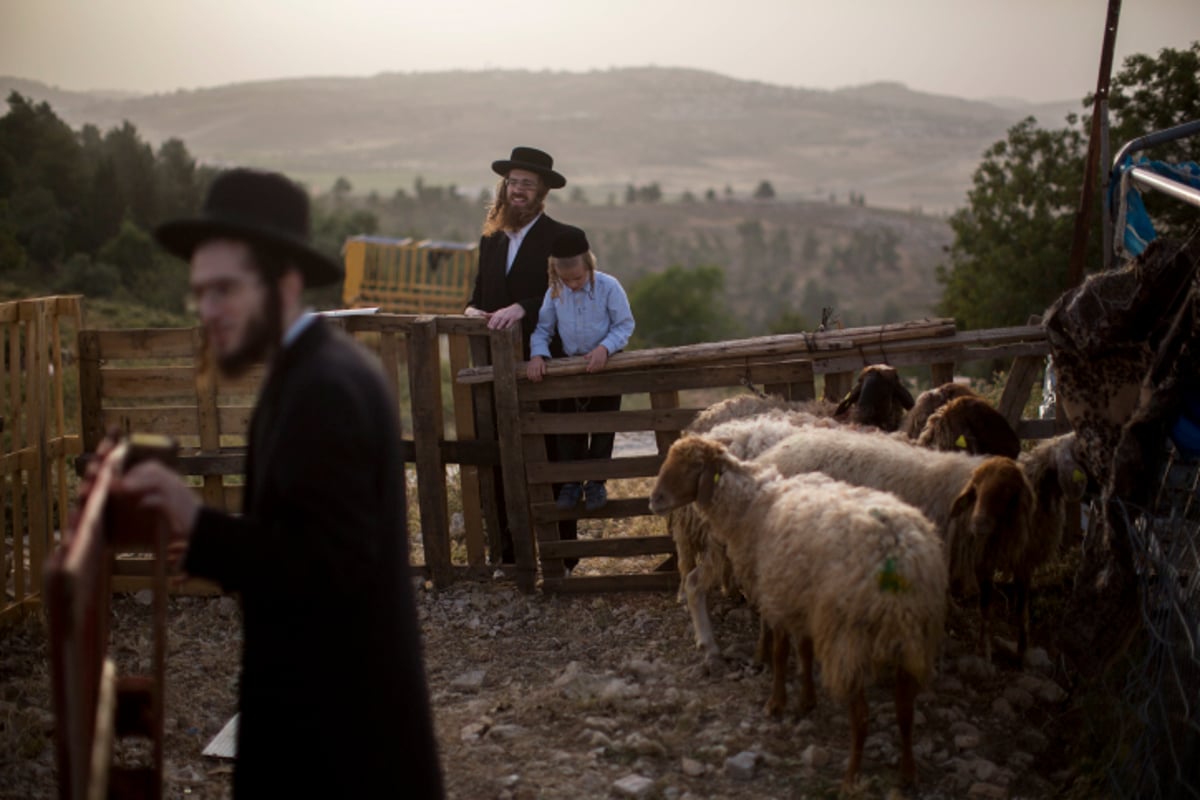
(684, 129)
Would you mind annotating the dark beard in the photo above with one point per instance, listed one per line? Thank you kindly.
(264, 333)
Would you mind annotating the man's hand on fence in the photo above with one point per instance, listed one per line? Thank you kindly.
(506, 317)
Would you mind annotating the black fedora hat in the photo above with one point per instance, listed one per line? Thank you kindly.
(534, 160)
(261, 207)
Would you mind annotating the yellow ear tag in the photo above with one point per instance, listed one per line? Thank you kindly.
(961, 441)
(716, 477)
(1078, 476)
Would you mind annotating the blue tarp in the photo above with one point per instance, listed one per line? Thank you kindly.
(1133, 224)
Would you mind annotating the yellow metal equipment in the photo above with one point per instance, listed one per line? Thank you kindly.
(406, 277)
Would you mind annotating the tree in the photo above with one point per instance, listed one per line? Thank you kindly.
(680, 306)
(1012, 241)
(764, 191)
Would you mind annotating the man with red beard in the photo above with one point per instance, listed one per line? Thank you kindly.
(512, 278)
(332, 696)
(514, 251)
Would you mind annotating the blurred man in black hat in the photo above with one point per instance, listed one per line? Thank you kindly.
(333, 700)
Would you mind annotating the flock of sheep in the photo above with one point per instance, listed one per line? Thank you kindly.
(848, 529)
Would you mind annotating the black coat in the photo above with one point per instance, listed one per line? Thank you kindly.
(525, 283)
(333, 697)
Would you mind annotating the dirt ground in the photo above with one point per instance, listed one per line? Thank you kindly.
(593, 696)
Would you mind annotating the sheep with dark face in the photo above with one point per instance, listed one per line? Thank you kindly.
(855, 576)
(972, 425)
(878, 398)
(930, 401)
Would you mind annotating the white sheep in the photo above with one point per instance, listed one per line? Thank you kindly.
(855, 576)
(702, 563)
(983, 517)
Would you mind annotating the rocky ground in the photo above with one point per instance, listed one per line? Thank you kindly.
(542, 696)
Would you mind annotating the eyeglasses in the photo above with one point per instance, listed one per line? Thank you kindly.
(520, 183)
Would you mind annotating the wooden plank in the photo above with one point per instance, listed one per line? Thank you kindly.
(665, 407)
(594, 584)
(468, 475)
(506, 347)
(425, 384)
(668, 418)
(780, 345)
(389, 356)
(482, 405)
(560, 472)
(837, 385)
(36, 388)
(1024, 372)
(159, 383)
(1036, 429)
(941, 372)
(91, 420)
(544, 510)
(153, 343)
(168, 420)
(665, 379)
(616, 547)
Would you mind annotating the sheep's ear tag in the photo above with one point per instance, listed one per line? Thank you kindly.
(961, 442)
(1078, 476)
(890, 579)
(716, 477)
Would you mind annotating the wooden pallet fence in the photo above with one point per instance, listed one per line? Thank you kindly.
(39, 427)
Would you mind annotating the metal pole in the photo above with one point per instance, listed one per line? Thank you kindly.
(1082, 215)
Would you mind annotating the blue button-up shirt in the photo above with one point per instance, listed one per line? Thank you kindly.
(594, 315)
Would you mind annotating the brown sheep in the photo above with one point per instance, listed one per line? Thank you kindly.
(970, 425)
(930, 401)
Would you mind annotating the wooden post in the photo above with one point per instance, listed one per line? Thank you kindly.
(208, 417)
(468, 475)
(837, 385)
(941, 373)
(506, 351)
(425, 386)
(483, 406)
(1021, 377)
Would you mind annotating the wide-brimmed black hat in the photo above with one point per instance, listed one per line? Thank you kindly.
(570, 242)
(534, 160)
(261, 207)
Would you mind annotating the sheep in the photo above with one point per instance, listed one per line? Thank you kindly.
(855, 576)
(929, 401)
(967, 510)
(701, 562)
(970, 424)
(1054, 468)
(878, 398)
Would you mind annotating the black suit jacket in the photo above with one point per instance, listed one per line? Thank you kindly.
(525, 283)
(333, 697)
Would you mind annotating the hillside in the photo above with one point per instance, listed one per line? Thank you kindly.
(685, 129)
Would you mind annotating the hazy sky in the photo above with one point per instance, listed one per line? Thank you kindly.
(1031, 49)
